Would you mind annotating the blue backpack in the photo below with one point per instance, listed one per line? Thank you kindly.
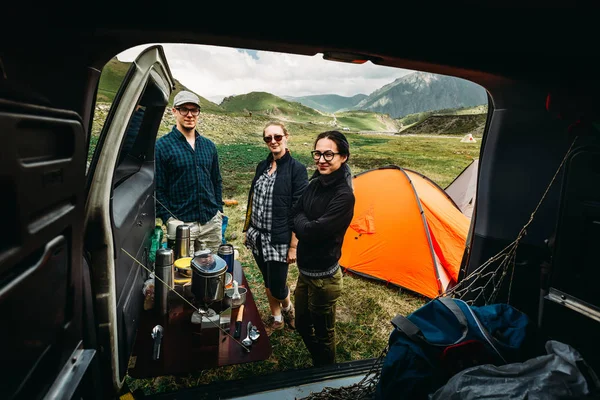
(442, 338)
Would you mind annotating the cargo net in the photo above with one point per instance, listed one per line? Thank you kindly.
(481, 286)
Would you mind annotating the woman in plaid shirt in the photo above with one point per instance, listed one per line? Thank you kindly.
(277, 185)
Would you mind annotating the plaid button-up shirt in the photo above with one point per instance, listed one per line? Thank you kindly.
(188, 182)
(262, 220)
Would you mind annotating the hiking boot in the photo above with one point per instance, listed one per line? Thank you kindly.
(272, 326)
(289, 316)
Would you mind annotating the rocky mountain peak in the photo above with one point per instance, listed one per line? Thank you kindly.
(423, 91)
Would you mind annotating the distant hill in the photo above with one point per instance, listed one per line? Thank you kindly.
(329, 103)
(110, 80)
(270, 105)
(423, 91)
(366, 121)
(113, 74)
(412, 119)
(449, 125)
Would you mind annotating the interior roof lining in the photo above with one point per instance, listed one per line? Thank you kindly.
(510, 59)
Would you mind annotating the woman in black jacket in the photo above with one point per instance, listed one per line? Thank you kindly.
(321, 218)
(277, 185)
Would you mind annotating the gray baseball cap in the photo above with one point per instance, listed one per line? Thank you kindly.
(184, 97)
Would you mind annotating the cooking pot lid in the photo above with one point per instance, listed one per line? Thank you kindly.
(207, 264)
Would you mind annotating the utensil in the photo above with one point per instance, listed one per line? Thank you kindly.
(247, 340)
(229, 301)
(236, 291)
(238, 322)
(254, 333)
(157, 334)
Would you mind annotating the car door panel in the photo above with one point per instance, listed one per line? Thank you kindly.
(42, 173)
(120, 213)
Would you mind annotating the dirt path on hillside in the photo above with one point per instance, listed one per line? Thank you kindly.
(423, 135)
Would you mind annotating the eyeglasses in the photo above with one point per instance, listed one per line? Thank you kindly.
(268, 139)
(184, 111)
(328, 155)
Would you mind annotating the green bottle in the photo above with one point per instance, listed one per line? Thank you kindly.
(157, 235)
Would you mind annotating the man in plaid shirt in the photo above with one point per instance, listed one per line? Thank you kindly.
(188, 178)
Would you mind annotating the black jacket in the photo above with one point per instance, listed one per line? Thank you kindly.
(321, 218)
(290, 182)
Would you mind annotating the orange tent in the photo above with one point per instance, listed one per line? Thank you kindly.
(406, 231)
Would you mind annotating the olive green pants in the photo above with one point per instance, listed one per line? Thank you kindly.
(314, 301)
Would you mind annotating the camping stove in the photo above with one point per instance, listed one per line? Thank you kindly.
(206, 317)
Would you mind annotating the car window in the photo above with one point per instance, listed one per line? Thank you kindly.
(111, 78)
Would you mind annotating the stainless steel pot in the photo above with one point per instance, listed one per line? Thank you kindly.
(230, 302)
(208, 277)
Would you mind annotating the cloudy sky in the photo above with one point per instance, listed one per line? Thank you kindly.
(214, 72)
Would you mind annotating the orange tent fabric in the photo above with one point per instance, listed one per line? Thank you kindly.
(406, 231)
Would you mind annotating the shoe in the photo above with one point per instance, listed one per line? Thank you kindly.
(289, 316)
(272, 326)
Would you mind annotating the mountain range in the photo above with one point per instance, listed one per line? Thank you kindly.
(423, 91)
(417, 92)
(328, 103)
(413, 93)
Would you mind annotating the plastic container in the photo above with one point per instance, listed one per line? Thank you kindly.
(171, 232)
(157, 235)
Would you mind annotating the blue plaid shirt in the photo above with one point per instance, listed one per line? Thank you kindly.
(188, 182)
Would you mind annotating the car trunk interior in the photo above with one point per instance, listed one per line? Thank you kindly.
(41, 257)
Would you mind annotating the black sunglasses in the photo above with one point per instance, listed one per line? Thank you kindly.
(268, 139)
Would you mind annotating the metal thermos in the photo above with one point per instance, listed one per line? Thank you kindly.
(182, 241)
(164, 273)
(226, 252)
(171, 232)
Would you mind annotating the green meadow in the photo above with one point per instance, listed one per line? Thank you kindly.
(366, 307)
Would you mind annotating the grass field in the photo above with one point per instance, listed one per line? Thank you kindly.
(366, 307)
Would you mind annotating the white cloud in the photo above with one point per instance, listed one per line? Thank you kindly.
(213, 71)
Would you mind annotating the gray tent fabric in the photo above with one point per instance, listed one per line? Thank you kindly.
(463, 188)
